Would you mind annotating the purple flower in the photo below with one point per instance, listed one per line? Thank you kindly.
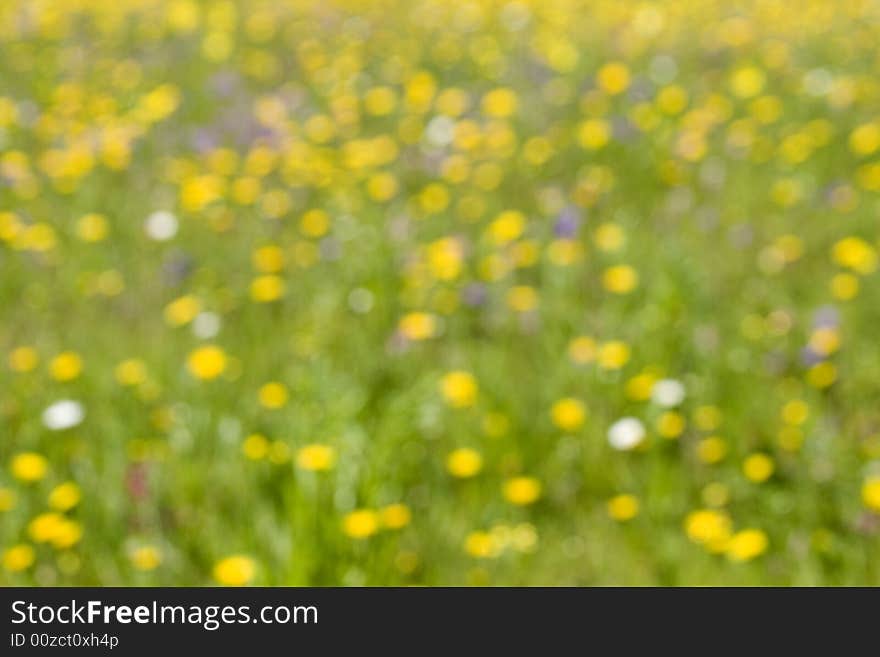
(474, 295)
(826, 317)
(567, 223)
(810, 357)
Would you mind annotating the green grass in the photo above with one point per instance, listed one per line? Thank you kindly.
(160, 464)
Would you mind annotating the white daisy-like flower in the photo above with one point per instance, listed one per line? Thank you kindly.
(667, 393)
(626, 433)
(161, 226)
(63, 414)
(206, 325)
(440, 131)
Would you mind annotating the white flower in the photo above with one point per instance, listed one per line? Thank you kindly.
(667, 393)
(440, 131)
(626, 433)
(161, 226)
(206, 325)
(63, 414)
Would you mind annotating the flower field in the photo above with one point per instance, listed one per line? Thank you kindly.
(392, 292)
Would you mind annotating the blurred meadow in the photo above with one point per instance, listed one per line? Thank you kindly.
(387, 292)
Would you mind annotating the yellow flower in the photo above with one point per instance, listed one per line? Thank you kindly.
(671, 424)
(66, 366)
(582, 350)
(92, 228)
(361, 523)
(568, 414)
(593, 134)
(564, 252)
(795, 412)
(464, 462)
(865, 139)
(64, 496)
(29, 466)
(320, 129)
(459, 389)
(433, 198)
(672, 100)
(522, 490)
(255, 447)
(609, 237)
(522, 298)
(207, 362)
(452, 102)
(856, 254)
(418, 326)
(7, 499)
(746, 545)
(267, 288)
(710, 528)
(844, 286)
(825, 341)
(268, 259)
(525, 253)
(871, 493)
(620, 279)
(146, 557)
(481, 545)
(382, 186)
(235, 570)
(182, 310)
(445, 257)
(613, 78)
(623, 507)
(499, 103)
(273, 395)
(506, 227)
(639, 387)
(822, 375)
(711, 450)
(380, 101)
(747, 82)
(758, 467)
(613, 355)
(790, 438)
(131, 372)
(197, 192)
(420, 90)
(19, 557)
(314, 223)
(395, 516)
(23, 359)
(316, 457)
(44, 527)
(67, 533)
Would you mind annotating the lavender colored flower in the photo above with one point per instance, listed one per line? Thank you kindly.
(224, 84)
(474, 295)
(567, 223)
(204, 140)
(809, 357)
(826, 317)
(177, 268)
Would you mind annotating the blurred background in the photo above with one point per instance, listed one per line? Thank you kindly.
(428, 292)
